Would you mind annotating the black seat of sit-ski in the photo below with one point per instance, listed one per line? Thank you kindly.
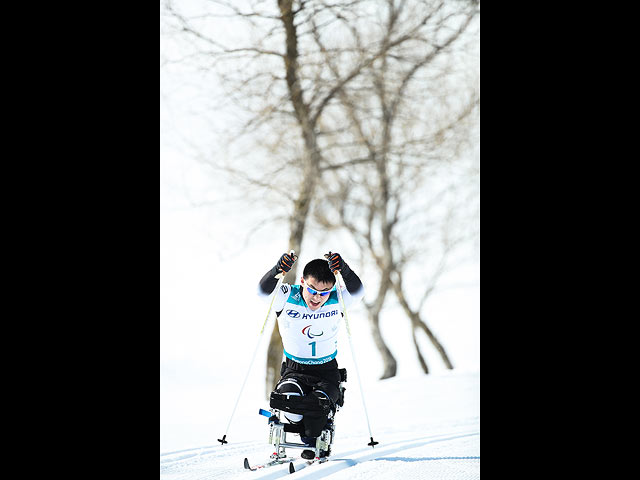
(307, 403)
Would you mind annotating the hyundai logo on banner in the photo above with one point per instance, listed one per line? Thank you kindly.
(293, 313)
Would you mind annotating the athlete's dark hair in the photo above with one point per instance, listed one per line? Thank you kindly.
(319, 269)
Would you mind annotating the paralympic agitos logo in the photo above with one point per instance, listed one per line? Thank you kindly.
(309, 334)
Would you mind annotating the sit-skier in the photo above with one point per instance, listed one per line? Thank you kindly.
(309, 316)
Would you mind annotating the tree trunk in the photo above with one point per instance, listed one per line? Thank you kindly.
(423, 364)
(389, 363)
(274, 360)
(310, 172)
(416, 322)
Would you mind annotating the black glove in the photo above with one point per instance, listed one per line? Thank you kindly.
(286, 262)
(336, 263)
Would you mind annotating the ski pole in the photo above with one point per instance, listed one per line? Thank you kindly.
(280, 277)
(340, 281)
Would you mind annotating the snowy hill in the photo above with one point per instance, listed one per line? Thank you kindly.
(427, 426)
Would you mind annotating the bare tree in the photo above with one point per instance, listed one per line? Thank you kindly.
(294, 72)
(380, 119)
(299, 93)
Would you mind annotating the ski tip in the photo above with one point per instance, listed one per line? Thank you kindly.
(246, 464)
(291, 468)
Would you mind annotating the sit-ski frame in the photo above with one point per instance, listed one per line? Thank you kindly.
(278, 436)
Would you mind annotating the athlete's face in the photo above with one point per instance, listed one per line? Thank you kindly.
(315, 301)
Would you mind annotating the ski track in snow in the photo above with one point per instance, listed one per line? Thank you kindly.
(431, 431)
(406, 459)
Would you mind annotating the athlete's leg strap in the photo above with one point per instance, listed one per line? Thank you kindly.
(300, 404)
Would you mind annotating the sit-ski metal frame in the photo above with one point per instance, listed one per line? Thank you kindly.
(278, 436)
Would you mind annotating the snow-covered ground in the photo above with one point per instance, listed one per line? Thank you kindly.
(427, 426)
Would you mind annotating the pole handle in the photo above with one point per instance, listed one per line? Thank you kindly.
(292, 253)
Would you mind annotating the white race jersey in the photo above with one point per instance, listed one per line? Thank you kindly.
(310, 336)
